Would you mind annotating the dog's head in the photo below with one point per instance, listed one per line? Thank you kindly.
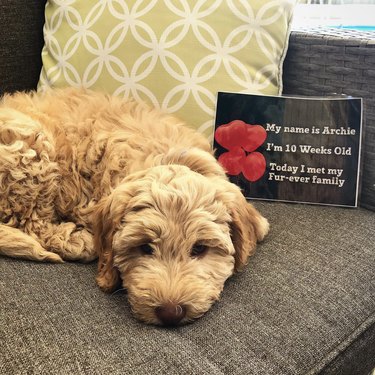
(171, 237)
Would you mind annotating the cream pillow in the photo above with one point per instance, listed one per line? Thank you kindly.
(174, 54)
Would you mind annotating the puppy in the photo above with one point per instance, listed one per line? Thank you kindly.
(86, 175)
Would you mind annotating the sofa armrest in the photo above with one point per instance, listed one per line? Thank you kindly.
(21, 43)
(327, 61)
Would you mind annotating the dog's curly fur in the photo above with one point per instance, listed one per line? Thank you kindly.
(84, 174)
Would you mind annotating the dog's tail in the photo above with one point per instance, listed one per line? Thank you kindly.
(17, 244)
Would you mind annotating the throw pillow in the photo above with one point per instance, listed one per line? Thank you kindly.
(174, 54)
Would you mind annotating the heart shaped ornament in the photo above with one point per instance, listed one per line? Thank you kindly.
(255, 135)
(239, 134)
(254, 166)
(232, 161)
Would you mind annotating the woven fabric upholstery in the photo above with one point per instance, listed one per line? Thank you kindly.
(327, 61)
(304, 305)
(21, 43)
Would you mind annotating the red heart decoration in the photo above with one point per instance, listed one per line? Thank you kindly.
(232, 161)
(254, 166)
(254, 137)
(239, 134)
(231, 135)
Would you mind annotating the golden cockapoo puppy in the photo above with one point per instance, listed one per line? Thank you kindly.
(84, 174)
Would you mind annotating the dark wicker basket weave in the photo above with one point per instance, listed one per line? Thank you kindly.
(325, 61)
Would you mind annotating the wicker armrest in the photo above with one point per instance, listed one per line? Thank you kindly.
(324, 61)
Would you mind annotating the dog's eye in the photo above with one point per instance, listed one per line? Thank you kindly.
(198, 250)
(146, 249)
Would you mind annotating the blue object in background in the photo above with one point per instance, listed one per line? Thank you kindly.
(360, 28)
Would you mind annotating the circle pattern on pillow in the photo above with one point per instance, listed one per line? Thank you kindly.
(174, 54)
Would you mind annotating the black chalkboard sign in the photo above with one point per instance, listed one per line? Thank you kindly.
(294, 149)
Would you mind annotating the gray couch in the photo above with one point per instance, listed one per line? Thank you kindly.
(304, 305)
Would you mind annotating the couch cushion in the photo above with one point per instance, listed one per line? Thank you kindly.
(304, 305)
(323, 61)
(176, 55)
(21, 42)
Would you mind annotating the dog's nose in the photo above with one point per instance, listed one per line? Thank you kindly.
(170, 314)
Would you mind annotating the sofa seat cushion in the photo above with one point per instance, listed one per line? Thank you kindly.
(304, 305)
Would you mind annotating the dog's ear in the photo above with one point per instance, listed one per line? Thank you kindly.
(246, 231)
(108, 277)
(248, 226)
(108, 214)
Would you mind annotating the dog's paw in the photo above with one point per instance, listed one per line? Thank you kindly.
(81, 246)
(262, 229)
(71, 243)
(47, 256)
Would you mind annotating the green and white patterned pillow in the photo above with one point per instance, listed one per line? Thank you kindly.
(175, 54)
